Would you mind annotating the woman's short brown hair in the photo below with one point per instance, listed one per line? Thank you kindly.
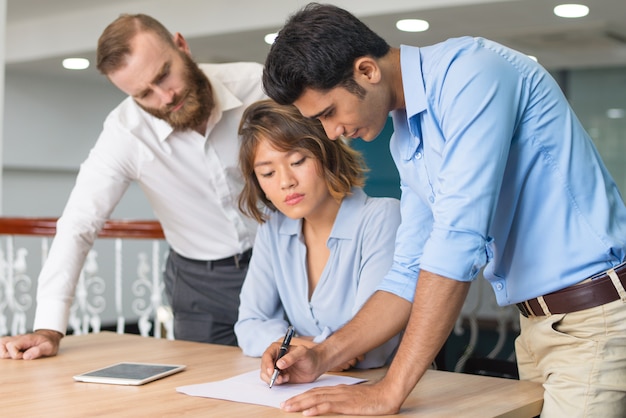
(287, 130)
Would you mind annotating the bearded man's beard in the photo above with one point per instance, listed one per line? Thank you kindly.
(197, 97)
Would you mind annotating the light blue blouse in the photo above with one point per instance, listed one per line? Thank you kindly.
(497, 171)
(275, 292)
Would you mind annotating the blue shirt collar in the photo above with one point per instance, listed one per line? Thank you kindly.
(406, 121)
(412, 80)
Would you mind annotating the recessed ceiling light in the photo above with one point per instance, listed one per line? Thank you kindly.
(412, 25)
(270, 37)
(571, 10)
(616, 113)
(75, 63)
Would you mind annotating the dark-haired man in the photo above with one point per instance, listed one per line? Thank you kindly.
(496, 172)
(176, 135)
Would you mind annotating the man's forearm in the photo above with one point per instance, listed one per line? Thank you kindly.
(437, 304)
(381, 317)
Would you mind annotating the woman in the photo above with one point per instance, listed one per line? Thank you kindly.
(323, 244)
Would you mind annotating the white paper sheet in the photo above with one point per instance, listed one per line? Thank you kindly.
(249, 388)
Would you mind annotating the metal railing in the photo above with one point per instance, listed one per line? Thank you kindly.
(17, 287)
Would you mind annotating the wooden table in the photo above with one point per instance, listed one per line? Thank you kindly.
(45, 387)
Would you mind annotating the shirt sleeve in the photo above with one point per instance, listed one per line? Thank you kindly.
(414, 230)
(476, 110)
(100, 185)
(261, 315)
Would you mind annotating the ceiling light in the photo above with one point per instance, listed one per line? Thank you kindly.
(75, 63)
(615, 113)
(270, 37)
(571, 10)
(412, 25)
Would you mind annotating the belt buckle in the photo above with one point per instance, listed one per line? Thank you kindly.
(236, 258)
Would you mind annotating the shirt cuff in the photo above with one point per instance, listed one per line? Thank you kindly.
(51, 315)
(400, 282)
(457, 255)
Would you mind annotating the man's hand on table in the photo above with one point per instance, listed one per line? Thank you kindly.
(41, 343)
(363, 399)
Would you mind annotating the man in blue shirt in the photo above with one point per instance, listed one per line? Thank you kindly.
(496, 172)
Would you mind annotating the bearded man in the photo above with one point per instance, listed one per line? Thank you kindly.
(176, 136)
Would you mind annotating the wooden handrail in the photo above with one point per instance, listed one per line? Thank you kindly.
(46, 227)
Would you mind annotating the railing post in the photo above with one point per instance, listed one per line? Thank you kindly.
(121, 321)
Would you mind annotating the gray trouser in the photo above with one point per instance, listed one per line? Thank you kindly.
(204, 297)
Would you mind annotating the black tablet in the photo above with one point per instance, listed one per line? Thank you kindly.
(129, 373)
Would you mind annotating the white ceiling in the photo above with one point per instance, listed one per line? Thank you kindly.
(42, 32)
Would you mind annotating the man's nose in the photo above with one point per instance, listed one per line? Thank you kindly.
(333, 130)
(166, 95)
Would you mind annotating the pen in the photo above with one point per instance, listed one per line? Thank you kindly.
(281, 352)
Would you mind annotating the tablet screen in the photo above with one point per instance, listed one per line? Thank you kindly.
(129, 373)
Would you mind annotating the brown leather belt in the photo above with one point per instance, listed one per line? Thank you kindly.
(595, 291)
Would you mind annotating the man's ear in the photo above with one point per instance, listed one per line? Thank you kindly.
(367, 70)
(181, 43)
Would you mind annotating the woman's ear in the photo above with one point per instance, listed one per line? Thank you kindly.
(367, 70)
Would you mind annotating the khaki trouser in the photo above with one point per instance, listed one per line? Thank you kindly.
(580, 358)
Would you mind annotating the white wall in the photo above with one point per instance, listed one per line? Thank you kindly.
(3, 10)
(50, 126)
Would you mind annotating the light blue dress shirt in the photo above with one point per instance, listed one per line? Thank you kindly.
(275, 292)
(497, 171)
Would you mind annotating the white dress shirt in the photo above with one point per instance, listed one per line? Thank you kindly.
(191, 181)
